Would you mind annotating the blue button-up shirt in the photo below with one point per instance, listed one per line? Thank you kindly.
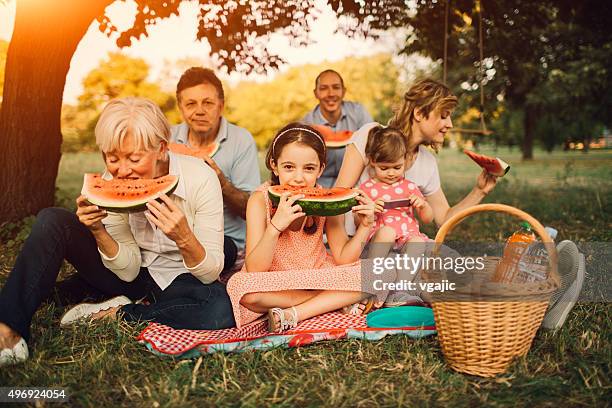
(354, 115)
(237, 159)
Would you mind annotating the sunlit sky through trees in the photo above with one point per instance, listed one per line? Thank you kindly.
(173, 39)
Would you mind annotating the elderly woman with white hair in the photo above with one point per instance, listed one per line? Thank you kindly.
(171, 254)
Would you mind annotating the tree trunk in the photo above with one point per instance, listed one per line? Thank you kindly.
(587, 144)
(45, 37)
(529, 124)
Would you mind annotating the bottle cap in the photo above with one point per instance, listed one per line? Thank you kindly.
(525, 225)
(552, 232)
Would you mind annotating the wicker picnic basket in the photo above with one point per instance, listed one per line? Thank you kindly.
(482, 326)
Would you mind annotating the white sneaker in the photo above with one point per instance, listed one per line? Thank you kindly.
(571, 273)
(86, 310)
(18, 354)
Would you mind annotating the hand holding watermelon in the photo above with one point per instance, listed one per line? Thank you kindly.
(213, 165)
(287, 211)
(90, 215)
(365, 211)
(486, 182)
(169, 218)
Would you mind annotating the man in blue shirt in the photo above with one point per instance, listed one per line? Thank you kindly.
(200, 98)
(337, 114)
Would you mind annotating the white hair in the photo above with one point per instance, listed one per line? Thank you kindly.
(138, 117)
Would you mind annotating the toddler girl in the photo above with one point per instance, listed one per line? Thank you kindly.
(399, 199)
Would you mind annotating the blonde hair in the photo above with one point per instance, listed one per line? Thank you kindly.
(139, 117)
(427, 96)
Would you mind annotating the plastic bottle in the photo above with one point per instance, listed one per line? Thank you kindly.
(515, 247)
(533, 265)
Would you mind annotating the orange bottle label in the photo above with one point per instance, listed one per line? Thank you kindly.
(516, 246)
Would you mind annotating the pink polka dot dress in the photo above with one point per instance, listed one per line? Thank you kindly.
(401, 219)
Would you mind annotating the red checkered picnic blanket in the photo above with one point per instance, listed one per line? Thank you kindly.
(166, 340)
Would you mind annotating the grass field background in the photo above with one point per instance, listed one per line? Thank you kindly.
(102, 365)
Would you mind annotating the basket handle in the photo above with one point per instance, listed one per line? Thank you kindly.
(453, 221)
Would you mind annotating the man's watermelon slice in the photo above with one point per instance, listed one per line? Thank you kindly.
(333, 139)
(180, 148)
(493, 165)
(125, 195)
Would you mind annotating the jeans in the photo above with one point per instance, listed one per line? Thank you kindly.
(186, 304)
(56, 235)
(230, 253)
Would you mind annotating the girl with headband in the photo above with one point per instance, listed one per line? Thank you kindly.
(288, 273)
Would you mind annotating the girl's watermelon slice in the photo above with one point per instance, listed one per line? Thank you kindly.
(125, 195)
(318, 201)
(493, 165)
(208, 150)
(333, 139)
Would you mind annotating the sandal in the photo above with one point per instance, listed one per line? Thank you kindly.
(277, 322)
(360, 308)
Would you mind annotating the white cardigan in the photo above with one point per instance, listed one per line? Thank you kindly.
(199, 197)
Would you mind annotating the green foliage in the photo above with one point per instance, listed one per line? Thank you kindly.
(549, 58)
(264, 108)
(13, 234)
(117, 76)
(507, 128)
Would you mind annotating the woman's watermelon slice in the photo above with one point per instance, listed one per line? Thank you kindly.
(125, 195)
(333, 139)
(181, 148)
(493, 165)
(318, 200)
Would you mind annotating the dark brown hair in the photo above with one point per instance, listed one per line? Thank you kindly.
(386, 145)
(294, 132)
(300, 133)
(195, 76)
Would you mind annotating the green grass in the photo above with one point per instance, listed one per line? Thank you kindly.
(102, 365)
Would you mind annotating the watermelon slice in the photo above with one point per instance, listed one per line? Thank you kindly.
(332, 139)
(318, 201)
(493, 165)
(125, 195)
(180, 148)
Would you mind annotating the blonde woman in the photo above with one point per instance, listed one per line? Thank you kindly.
(172, 253)
(424, 117)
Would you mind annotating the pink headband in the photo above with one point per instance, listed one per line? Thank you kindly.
(297, 128)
